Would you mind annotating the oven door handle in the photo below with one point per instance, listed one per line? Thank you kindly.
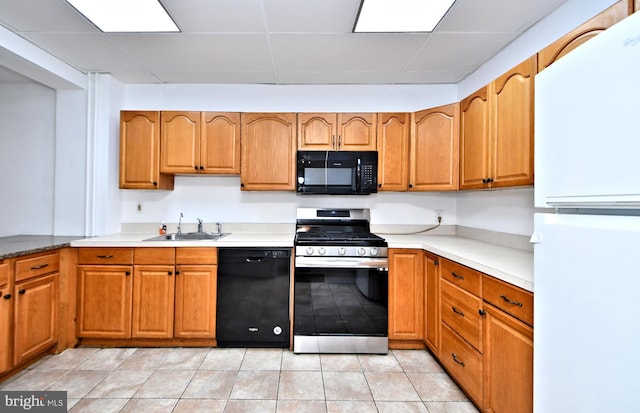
(341, 262)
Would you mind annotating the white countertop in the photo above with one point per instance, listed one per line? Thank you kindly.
(512, 265)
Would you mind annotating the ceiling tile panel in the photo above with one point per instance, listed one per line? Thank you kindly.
(219, 16)
(309, 16)
(43, 16)
(458, 52)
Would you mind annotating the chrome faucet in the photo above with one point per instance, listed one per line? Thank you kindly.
(199, 225)
(219, 226)
(179, 223)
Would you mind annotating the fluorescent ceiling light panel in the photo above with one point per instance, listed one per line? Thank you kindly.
(126, 15)
(388, 16)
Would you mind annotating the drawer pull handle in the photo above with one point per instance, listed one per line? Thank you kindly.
(458, 276)
(455, 310)
(504, 297)
(38, 267)
(455, 358)
(104, 256)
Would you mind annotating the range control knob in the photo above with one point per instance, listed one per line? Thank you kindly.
(277, 330)
(362, 251)
(342, 251)
(373, 251)
(322, 251)
(309, 251)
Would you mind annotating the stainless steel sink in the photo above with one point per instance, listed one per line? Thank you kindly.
(188, 236)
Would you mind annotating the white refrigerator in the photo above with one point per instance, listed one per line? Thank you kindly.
(587, 241)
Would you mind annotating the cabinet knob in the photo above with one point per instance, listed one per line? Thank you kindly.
(21, 292)
(127, 273)
(410, 185)
(169, 273)
(177, 272)
(6, 296)
(195, 167)
(155, 183)
(201, 168)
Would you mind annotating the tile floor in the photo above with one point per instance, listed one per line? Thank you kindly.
(243, 380)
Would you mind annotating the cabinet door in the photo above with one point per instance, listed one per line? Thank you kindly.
(512, 126)
(104, 301)
(406, 289)
(153, 301)
(432, 302)
(317, 131)
(584, 32)
(140, 152)
(195, 301)
(393, 151)
(6, 304)
(268, 151)
(180, 142)
(35, 316)
(508, 363)
(434, 149)
(474, 140)
(357, 131)
(220, 143)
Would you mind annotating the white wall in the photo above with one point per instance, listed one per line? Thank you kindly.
(27, 147)
(507, 210)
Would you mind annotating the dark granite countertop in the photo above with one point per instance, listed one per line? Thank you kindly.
(17, 245)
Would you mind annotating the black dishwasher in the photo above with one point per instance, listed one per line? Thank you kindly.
(253, 297)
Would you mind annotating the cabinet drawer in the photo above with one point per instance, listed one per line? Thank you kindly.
(463, 277)
(122, 256)
(462, 362)
(34, 266)
(461, 311)
(151, 256)
(196, 255)
(507, 297)
(4, 274)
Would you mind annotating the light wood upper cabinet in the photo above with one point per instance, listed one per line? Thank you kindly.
(393, 151)
(406, 289)
(268, 151)
(140, 151)
(474, 140)
(337, 131)
(200, 142)
(496, 131)
(220, 143)
(434, 149)
(180, 142)
(584, 32)
(512, 126)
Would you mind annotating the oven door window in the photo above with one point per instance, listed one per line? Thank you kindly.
(332, 301)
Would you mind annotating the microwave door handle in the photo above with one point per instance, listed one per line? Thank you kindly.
(358, 177)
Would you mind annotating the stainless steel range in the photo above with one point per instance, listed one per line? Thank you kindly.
(341, 283)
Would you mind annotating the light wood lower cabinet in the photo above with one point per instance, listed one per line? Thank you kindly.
(463, 362)
(406, 289)
(508, 363)
(195, 301)
(5, 319)
(432, 302)
(104, 301)
(35, 317)
(29, 300)
(167, 293)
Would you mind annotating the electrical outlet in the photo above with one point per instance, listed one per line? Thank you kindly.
(139, 207)
(438, 213)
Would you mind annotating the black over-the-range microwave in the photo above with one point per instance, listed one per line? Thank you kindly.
(337, 172)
